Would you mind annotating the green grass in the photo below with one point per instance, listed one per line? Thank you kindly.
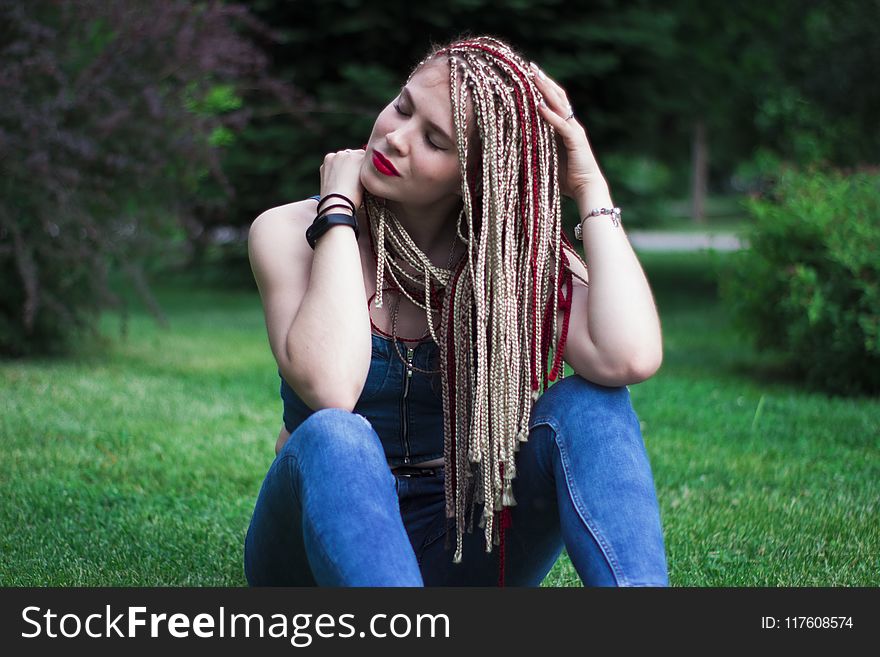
(138, 463)
(760, 483)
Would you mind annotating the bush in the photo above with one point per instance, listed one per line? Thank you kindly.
(809, 286)
(112, 115)
(640, 183)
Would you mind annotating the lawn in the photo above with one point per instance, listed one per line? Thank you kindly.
(138, 463)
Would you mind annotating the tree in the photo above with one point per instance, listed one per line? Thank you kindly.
(102, 140)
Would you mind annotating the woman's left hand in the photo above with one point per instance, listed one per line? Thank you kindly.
(578, 169)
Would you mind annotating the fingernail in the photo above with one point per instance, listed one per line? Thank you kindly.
(538, 70)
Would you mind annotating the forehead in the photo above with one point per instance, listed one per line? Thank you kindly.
(432, 82)
(433, 74)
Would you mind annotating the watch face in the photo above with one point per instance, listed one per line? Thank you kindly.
(311, 237)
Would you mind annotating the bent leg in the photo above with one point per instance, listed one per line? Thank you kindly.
(328, 511)
(583, 480)
(608, 506)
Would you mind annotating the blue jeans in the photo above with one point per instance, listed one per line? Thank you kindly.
(331, 513)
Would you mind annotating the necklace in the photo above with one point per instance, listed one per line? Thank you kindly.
(430, 310)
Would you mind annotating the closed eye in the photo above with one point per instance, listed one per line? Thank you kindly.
(432, 145)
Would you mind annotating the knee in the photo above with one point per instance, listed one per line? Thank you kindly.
(336, 433)
(576, 398)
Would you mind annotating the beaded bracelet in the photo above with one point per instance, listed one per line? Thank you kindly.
(615, 217)
(323, 210)
(334, 195)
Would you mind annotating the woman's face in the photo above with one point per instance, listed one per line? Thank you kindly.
(416, 134)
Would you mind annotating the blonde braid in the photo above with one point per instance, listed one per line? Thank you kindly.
(498, 307)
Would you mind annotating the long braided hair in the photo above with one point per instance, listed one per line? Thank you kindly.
(498, 306)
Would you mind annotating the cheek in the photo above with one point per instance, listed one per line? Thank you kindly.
(443, 173)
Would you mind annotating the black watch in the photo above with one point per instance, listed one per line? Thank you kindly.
(325, 222)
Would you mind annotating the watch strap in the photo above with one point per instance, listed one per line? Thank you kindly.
(325, 222)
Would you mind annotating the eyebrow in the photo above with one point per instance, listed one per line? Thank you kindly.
(436, 127)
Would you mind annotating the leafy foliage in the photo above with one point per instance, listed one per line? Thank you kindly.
(133, 132)
(793, 77)
(809, 287)
(110, 120)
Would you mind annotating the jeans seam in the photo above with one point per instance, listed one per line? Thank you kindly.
(580, 507)
(433, 538)
(319, 539)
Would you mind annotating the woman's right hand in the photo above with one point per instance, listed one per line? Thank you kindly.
(340, 174)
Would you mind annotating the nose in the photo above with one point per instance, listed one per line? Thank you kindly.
(398, 141)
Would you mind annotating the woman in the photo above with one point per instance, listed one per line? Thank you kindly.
(451, 211)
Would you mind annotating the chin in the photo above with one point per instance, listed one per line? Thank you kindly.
(370, 182)
(367, 180)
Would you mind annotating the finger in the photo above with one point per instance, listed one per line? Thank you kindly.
(554, 94)
(554, 118)
(557, 103)
(549, 82)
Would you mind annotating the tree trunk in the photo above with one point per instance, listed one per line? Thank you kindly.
(699, 173)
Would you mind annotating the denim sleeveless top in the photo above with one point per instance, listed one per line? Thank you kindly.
(404, 406)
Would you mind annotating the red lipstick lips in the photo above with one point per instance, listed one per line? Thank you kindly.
(383, 165)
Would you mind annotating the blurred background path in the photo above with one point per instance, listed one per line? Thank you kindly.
(651, 240)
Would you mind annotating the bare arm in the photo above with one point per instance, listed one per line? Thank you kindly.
(329, 342)
(622, 318)
(616, 334)
(314, 303)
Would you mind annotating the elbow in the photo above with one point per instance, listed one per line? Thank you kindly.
(330, 383)
(331, 396)
(345, 405)
(320, 393)
(643, 367)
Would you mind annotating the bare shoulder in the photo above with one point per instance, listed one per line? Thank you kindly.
(283, 221)
(277, 242)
